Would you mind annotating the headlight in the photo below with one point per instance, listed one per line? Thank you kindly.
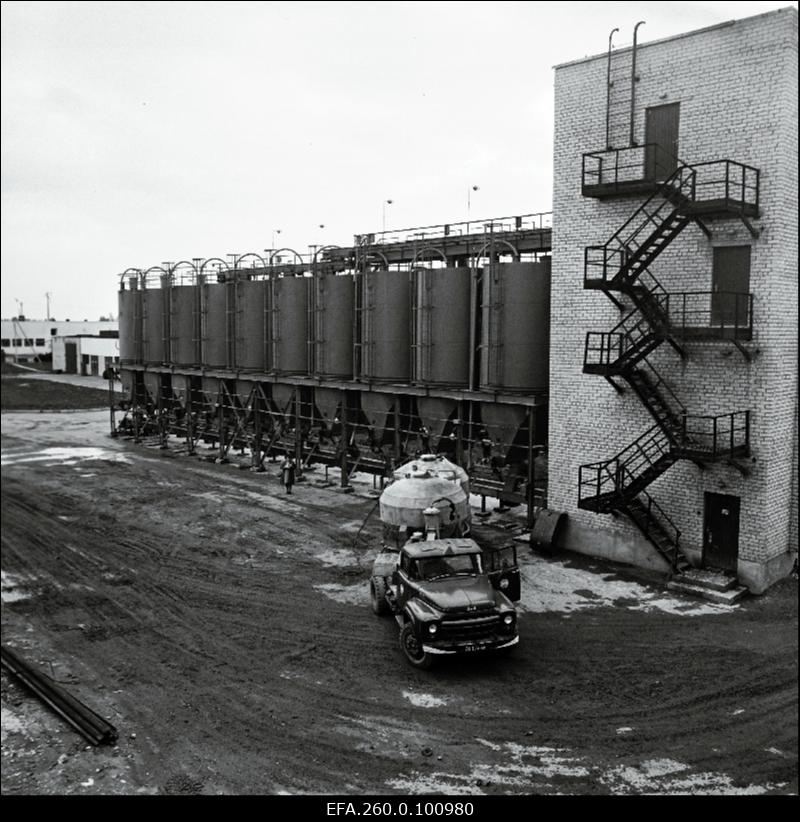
(433, 628)
(504, 583)
(508, 619)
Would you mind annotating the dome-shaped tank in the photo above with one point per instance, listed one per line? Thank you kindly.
(402, 504)
(515, 333)
(438, 465)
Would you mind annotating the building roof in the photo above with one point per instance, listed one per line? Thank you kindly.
(706, 29)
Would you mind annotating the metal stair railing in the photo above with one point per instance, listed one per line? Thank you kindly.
(722, 436)
(632, 335)
(651, 452)
(658, 517)
(634, 236)
(657, 386)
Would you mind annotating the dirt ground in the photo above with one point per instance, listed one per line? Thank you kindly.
(224, 629)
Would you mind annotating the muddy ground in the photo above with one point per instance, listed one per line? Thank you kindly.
(224, 629)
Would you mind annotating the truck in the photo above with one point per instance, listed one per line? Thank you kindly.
(448, 595)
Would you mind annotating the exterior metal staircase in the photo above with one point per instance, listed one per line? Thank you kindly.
(620, 268)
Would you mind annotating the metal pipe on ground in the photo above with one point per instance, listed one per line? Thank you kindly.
(90, 725)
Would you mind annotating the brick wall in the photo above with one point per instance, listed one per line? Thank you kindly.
(737, 88)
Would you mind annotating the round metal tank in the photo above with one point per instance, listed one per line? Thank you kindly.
(440, 326)
(438, 465)
(386, 348)
(130, 324)
(290, 341)
(252, 325)
(332, 348)
(515, 329)
(184, 325)
(155, 325)
(402, 502)
(216, 310)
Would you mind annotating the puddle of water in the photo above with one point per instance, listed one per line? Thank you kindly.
(62, 456)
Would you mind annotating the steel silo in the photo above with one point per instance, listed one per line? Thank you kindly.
(216, 324)
(155, 324)
(184, 325)
(289, 313)
(332, 326)
(252, 325)
(385, 331)
(515, 332)
(130, 322)
(440, 326)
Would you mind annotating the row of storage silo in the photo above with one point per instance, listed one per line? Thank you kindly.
(390, 326)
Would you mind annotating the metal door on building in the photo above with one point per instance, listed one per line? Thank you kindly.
(71, 357)
(721, 532)
(661, 138)
(730, 284)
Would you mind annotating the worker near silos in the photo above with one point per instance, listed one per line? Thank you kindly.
(287, 474)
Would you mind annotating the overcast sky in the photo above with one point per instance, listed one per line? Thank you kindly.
(140, 132)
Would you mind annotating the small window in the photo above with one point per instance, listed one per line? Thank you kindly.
(5, 343)
(16, 342)
(40, 341)
(53, 332)
(28, 342)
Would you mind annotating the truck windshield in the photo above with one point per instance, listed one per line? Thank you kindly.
(450, 566)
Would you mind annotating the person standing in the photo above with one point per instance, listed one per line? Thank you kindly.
(287, 473)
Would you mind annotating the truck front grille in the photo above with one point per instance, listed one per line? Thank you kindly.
(469, 628)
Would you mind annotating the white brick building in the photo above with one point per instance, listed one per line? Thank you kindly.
(23, 340)
(728, 92)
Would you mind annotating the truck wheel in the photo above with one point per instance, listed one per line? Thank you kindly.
(412, 648)
(377, 594)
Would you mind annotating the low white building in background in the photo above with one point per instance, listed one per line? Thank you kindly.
(84, 354)
(23, 340)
